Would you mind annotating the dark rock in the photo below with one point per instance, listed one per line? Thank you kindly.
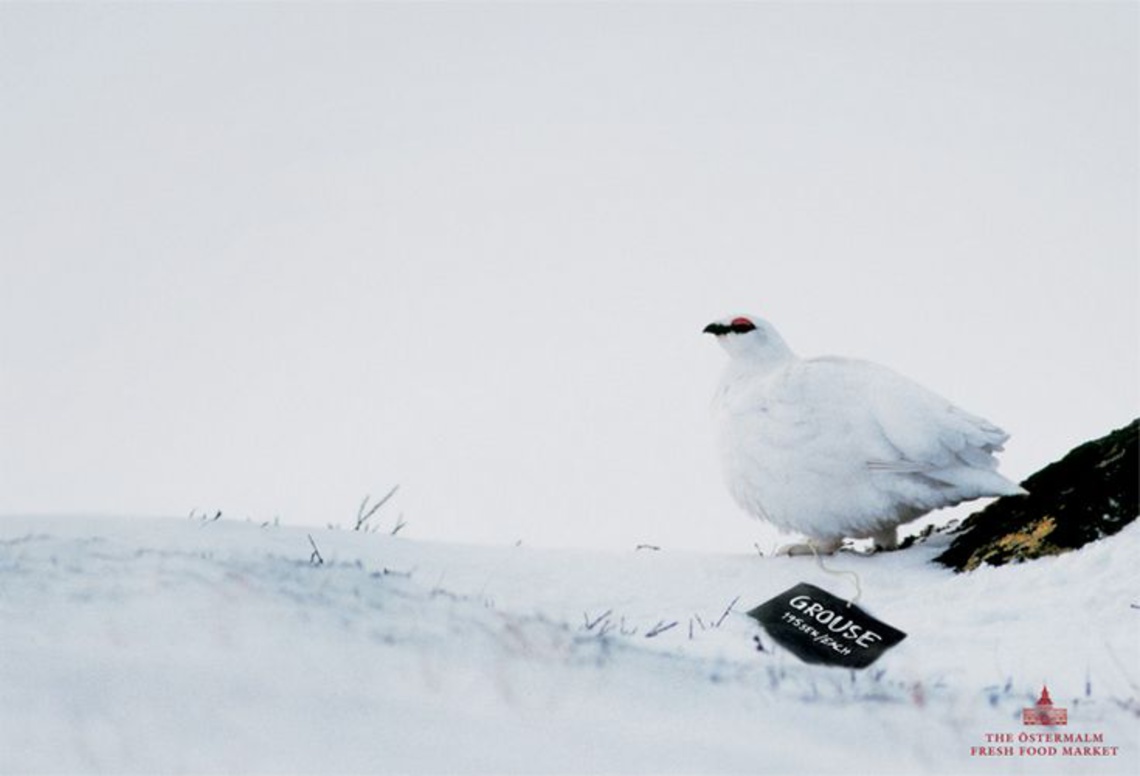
(1087, 495)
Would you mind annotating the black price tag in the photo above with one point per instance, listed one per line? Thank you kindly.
(817, 627)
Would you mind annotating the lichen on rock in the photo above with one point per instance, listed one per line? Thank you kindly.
(1089, 494)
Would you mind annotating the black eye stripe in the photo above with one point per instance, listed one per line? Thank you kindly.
(738, 326)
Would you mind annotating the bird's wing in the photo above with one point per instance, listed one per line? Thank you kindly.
(917, 430)
(929, 431)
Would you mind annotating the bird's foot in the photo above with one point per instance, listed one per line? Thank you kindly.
(885, 540)
(810, 547)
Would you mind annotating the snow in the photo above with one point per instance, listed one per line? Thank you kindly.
(196, 646)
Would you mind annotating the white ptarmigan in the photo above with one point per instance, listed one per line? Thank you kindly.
(835, 447)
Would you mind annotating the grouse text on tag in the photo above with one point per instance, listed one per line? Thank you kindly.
(818, 627)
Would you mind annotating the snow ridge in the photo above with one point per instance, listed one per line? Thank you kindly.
(143, 645)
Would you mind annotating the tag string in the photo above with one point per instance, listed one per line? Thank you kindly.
(836, 572)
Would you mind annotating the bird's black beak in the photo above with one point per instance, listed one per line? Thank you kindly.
(717, 328)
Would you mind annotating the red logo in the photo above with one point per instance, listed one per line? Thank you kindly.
(1044, 713)
(1047, 743)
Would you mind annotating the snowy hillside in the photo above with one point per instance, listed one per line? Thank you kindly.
(190, 646)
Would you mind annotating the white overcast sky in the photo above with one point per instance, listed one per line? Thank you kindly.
(267, 258)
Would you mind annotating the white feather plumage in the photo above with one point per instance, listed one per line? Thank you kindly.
(834, 447)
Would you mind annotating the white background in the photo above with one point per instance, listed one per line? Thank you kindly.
(269, 258)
